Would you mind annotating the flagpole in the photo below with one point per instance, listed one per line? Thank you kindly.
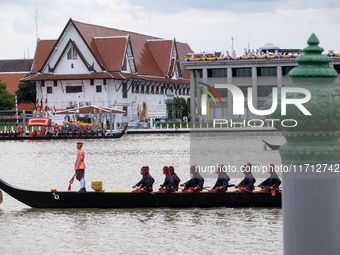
(16, 108)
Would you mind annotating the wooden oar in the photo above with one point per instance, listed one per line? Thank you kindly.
(148, 192)
(1, 198)
(229, 185)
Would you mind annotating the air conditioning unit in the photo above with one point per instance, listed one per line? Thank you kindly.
(88, 103)
(80, 103)
(71, 103)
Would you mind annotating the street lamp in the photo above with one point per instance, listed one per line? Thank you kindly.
(170, 101)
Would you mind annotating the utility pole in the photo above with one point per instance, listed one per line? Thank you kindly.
(36, 21)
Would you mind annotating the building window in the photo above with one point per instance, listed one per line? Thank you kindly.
(244, 91)
(266, 71)
(55, 83)
(242, 72)
(104, 81)
(74, 89)
(286, 69)
(337, 68)
(42, 83)
(99, 88)
(125, 109)
(72, 53)
(49, 90)
(264, 91)
(221, 72)
(91, 82)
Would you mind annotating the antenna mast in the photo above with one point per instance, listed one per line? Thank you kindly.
(36, 21)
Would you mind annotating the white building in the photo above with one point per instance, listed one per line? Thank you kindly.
(261, 73)
(110, 68)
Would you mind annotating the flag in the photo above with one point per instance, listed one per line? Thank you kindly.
(37, 103)
(46, 103)
(208, 109)
(41, 102)
(53, 110)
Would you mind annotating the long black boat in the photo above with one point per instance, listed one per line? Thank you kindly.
(116, 199)
(272, 146)
(69, 137)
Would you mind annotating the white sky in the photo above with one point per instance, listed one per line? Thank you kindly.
(204, 25)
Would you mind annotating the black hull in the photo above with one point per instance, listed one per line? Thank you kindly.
(273, 147)
(40, 199)
(41, 137)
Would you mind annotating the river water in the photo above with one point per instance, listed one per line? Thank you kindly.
(42, 165)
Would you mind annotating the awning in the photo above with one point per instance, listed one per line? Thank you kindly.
(89, 110)
(38, 122)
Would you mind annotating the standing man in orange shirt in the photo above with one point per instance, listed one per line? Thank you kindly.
(80, 167)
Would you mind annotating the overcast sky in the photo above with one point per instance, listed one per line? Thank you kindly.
(206, 25)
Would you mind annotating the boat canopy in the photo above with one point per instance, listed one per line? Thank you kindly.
(38, 121)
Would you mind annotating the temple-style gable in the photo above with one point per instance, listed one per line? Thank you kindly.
(70, 50)
(107, 67)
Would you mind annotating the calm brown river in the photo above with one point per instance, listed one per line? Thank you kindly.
(42, 165)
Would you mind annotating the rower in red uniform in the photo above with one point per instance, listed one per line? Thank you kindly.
(247, 184)
(145, 184)
(168, 185)
(222, 182)
(80, 167)
(56, 127)
(272, 183)
(195, 184)
(174, 177)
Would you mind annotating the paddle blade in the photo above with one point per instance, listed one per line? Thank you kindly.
(273, 192)
(1, 198)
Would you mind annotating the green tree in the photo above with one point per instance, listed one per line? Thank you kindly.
(7, 100)
(26, 92)
(182, 107)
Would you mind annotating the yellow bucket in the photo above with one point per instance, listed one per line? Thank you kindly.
(97, 185)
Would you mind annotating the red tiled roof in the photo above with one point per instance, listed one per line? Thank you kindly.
(25, 106)
(12, 80)
(147, 64)
(161, 51)
(182, 50)
(112, 51)
(90, 31)
(44, 48)
(151, 54)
